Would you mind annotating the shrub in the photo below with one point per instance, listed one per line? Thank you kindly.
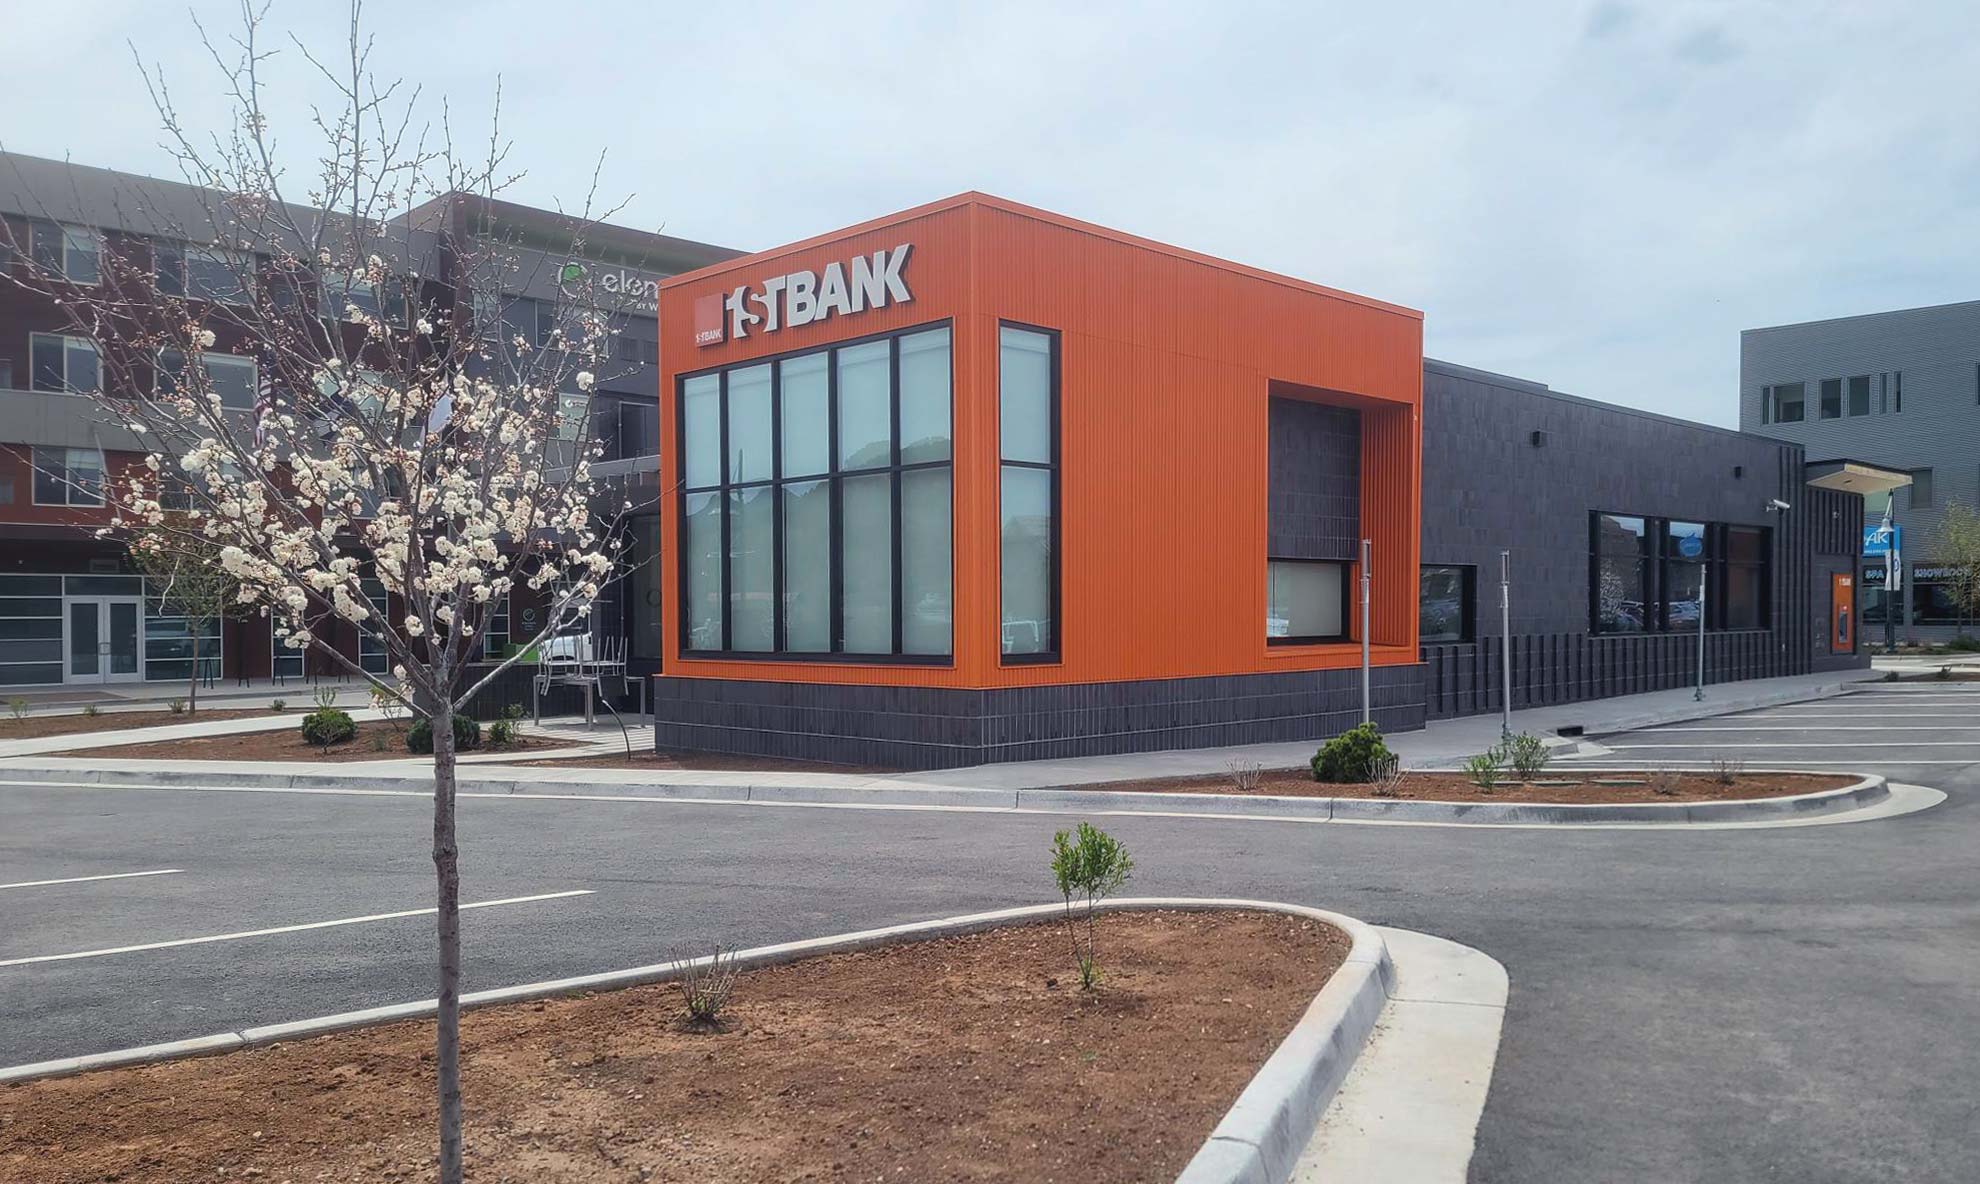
(1964, 644)
(1091, 864)
(326, 726)
(419, 737)
(278, 705)
(706, 985)
(1350, 756)
(90, 711)
(1944, 673)
(1386, 777)
(1890, 676)
(1245, 775)
(175, 706)
(324, 696)
(502, 733)
(1666, 781)
(1726, 769)
(1527, 754)
(1483, 770)
(18, 706)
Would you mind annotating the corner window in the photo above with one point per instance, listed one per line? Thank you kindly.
(67, 365)
(816, 507)
(67, 476)
(1832, 398)
(230, 376)
(1028, 493)
(1446, 600)
(1305, 601)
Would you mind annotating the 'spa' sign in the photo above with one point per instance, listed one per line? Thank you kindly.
(801, 297)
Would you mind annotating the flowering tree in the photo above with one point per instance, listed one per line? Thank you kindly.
(182, 568)
(402, 459)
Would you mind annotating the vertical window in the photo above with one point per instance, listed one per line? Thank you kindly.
(1683, 576)
(1859, 395)
(495, 630)
(63, 364)
(67, 476)
(1897, 392)
(1745, 575)
(168, 267)
(1831, 398)
(1766, 404)
(1445, 603)
(1921, 489)
(817, 507)
(1305, 601)
(1028, 446)
(1621, 576)
(1788, 400)
(373, 658)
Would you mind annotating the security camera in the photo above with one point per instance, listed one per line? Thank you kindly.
(1774, 503)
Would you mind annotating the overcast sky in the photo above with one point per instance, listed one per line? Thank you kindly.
(1592, 193)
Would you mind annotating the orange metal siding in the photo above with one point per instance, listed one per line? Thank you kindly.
(1166, 362)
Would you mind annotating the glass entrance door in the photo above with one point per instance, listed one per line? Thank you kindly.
(104, 639)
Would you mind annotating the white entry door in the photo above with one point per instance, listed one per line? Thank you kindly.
(104, 639)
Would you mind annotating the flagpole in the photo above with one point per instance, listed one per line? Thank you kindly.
(1892, 560)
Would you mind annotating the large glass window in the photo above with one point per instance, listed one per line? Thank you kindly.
(1832, 398)
(1027, 443)
(230, 376)
(1652, 574)
(71, 251)
(1859, 395)
(1788, 401)
(1444, 603)
(817, 512)
(1305, 601)
(67, 476)
(1621, 575)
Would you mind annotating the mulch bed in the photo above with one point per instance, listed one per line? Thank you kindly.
(1935, 676)
(376, 740)
(706, 761)
(114, 721)
(1454, 787)
(967, 1058)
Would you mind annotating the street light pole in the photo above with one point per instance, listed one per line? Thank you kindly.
(1367, 708)
(1704, 582)
(1505, 644)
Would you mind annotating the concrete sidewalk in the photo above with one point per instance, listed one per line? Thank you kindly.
(1444, 743)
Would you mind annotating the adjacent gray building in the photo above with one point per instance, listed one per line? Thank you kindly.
(1899, 390)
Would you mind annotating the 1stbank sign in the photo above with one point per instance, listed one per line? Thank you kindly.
(803, 297)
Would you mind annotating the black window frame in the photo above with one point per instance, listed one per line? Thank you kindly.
(833, 476)
(1467, 603)
(1658, 553)
(1348, 601)
(1052, 653)
(1830, 404)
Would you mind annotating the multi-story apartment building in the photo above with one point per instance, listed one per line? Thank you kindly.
(72, 608)
(1899, 390)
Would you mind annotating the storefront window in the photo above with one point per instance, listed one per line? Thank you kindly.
(809, 525)
(1684, 556)
(1745, 574)
(1305, 601)
(1444, 604)
(1620, 574)
(1027, 434)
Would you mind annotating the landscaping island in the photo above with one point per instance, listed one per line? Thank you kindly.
(1578, 787)
(956, 1058)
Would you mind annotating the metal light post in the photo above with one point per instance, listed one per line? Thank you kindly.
(1367, 713)
(1893, 581)
(1704, 582)
(1505, 644)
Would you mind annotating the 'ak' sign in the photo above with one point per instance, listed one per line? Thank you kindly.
(801, 297)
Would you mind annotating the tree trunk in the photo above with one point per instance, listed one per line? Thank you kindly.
(446, 866)
(192, 684)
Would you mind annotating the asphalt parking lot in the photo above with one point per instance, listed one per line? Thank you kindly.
(1783, 1004)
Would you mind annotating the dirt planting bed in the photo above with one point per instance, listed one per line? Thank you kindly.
(966, 1058)
(1584, 786)
(376, 740)
(34, 726)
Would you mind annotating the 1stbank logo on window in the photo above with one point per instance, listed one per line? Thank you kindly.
(801, 297)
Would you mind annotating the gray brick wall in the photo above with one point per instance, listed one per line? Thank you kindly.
(1313, 504)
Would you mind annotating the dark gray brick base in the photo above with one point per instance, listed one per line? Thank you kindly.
(934, 727)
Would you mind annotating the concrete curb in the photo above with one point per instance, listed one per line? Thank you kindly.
(1866, 792)
(1258, 1141)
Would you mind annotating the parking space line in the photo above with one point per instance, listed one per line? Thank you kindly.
(195, 941)
(1826, 728)
(1809, 744)
(163, 871)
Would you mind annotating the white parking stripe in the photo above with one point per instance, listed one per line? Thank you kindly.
(1825, 728)
(195, 941)
(163, 871)
(1805, 744)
